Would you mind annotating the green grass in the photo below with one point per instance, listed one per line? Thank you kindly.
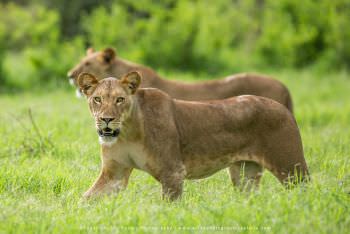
(42, 177)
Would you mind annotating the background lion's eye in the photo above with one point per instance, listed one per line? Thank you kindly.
(97, 99)
(120, 99)
(87, 64)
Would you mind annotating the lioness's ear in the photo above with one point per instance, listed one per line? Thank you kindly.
(131, 81)
(87, 83)
(90, 50)
(108, 54)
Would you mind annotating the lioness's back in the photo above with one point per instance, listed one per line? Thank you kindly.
(202, 125)
(245, 110)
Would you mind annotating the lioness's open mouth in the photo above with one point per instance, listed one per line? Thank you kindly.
(108, 132)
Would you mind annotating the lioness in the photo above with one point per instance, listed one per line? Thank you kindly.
(106, 64)
(175, 140)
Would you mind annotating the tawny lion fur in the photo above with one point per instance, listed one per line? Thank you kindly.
(173, 140)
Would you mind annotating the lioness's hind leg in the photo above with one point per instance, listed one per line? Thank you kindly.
(245, 175)
(294, 175)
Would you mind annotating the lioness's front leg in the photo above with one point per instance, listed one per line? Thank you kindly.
(172, 177)
(172, 186)
(111, 179)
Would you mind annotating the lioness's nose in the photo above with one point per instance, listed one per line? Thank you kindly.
(107, 120)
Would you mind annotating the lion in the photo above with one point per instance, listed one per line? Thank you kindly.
(106, 64)
(174, 140)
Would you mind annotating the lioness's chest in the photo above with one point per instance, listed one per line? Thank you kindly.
(131, 155)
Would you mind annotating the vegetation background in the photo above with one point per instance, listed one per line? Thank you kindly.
(48, 147)
(43, 38)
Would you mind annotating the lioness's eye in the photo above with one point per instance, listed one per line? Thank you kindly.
(120, 99)
(97, 100)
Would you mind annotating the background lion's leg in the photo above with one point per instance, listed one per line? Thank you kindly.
(109, 181)
(245, 175)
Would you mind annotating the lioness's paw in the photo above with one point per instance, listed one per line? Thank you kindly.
(87, 195)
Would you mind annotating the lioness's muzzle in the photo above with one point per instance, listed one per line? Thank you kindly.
(108, 132)
(71, 81)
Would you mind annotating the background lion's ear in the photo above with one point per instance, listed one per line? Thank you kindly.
(131, 81)
(87, 83)
(90, 50)
(108, 54)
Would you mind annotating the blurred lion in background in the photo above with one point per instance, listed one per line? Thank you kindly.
(105, 63)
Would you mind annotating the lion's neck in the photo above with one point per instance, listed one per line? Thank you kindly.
(175, 89)
(121, 67)
(131, 129)
(150, 79)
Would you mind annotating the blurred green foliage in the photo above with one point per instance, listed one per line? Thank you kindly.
(43, 39)
(34, 51)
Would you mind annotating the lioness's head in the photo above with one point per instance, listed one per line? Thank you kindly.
(110, 101)
(98, 63)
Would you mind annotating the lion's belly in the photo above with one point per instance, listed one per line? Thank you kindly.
(203, 166)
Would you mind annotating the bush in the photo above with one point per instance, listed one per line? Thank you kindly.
(28, 26)
(292, 33)
(52, 63)
(187, 35)
(215, 35)
(35, 52)
(338, 37)
(2, 56)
